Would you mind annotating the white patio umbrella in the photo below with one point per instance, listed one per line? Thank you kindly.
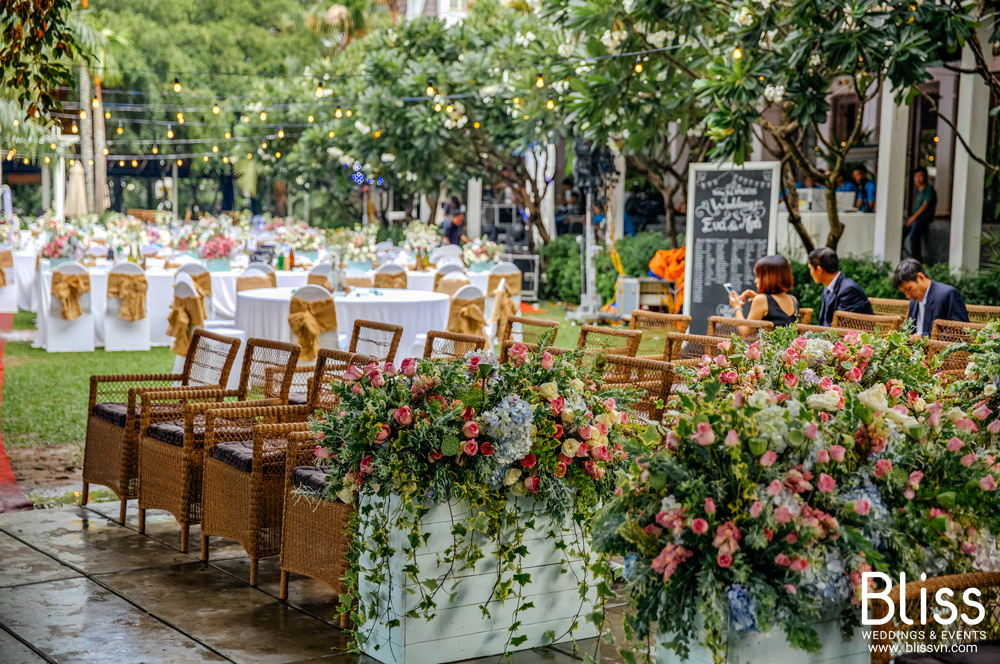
(76, 195)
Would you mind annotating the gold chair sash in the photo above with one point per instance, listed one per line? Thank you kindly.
(131, 290)
(513, 283)
(466, 317)
(252, 283)
(319, 280)
(308, 321)
(504, 307)
(450, 284)
(383, 280)
(68, 288)
(358, 282)
(6, 261)
(203, 283)
(186, 313)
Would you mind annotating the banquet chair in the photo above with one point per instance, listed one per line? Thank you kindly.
(448, 250)
(682, 346)
(314, 532)
(255, 276)
(325, 275)
(839, 332)
(185, 289)
(748, 330)
(306, 318)
(121, 333)
(652, 377)
(443, 270)
(450, 345)
(390, 275)
(952, 366)
(609, 340)
(866, 322)
(260, 266)
(110, 456)
(70, 325)
(981, 313)
(653, 325)
(527, 330)
(505, 271)
(805, 315)
(8, 281)
(171, 451)
(376, 340)
(451, 282)
(467, 314)
(953, 330)
(356, 278)
(889, 307)
(200, 279)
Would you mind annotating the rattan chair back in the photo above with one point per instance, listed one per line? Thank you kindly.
(841, 332)
(850, 320)
(690, 346)
(748, 330)
(954, 330)
(330, 368)
(609, 341)
(654, 327)
(376, 340)
(954, 365)
(805, 315)
(889, 307)
(209, 359)
(527, 330)
(268, 367)
(451, 345)
(652, 377)
(982, 313)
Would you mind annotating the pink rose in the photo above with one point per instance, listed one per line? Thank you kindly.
(586, 431)
(470, 429)
(473, 363)
(825, 384)
(557, 405)
(826, 484)
(559, 431)
(725, 560)
(800, 343)
(811, 431)
(969, 459)
(782, 560)
(965, 424)
(383, 434)
(486, 449)
(823, 456)
(531, 483)
(529, 461)
(705, 372)
(367, 464)
(729, 377)
(791, 380)
(725, 345)
(768, 458)
(390, 369)
(322, 453)
(753, 351)
(353, 372)
(721, 361)
(994, 426)
(955, 444)
(774, 488)
(792, 537)
(791, 589)
(866, 351)
(709, 506)
(837, 452)
(601, 453)
(705, 435)
(896, 391)
(403, 415)
(518, 352)
(862, 506)
(799, 565)
(988, 483)
(471, 447)
(839, 349)
(968, 548)
(782, 515)
(408, 367)
(883, 467)
(909, 493)
(854, 375)
(699, 526)
(375, 376)
(356, 389)
(790, 356)
(738, 399)
(756, 509)
(732, 440)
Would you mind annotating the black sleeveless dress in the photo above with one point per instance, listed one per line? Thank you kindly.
(777, 316)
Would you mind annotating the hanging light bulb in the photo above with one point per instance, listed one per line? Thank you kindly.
(228, 135)
(177, 84)
(225, 160)
(215, 108)
(338, 113)
(475, 125)
(204, 158)
(52, 146)
(737, 53)
(281, 133)
(215, 148)
(105, 152)
(47, 160)
(437, 108)
(121, 163)
(249, 155)
(95, 102)
(120, 130)
(638, 64)
(550, 104)
(180, 118)
(277, 155)
(134, 163)
(180, 162)
(107, 115)
(245, 118)
(263, 144)
(330, 134)
(83, 114)
(319, 90)
(263, 116)
(170, 131)
(430, 88)
(74, 128)
(16, 122)
(25, 161)
(517, 101)
(90, 161)
(156, 150)
(378, 134)
(539, 82)
(310, 119)
(73, 161)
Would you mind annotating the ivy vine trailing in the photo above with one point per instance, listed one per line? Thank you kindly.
(481, 464)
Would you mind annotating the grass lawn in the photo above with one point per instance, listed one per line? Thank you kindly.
(45, 394)
(24, 320)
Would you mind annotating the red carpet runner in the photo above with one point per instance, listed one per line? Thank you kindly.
(12, 499)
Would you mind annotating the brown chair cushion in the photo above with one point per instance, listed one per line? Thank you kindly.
(988, 652)
(310, 478)
(115, 413)
(171, 432)
(239, 455)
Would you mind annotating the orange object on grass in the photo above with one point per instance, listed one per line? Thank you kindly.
(668, 264)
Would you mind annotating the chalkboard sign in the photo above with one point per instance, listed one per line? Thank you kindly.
(732, 214)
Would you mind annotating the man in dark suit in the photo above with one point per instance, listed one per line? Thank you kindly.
(929, 300)
(840, 292)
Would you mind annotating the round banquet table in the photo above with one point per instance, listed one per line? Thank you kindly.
(263, 313)
(24, 274)
(424, 280)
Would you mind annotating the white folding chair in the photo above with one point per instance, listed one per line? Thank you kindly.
(259, 267)
(122, 334)
(185, 288)
(448, 268)
(67, 336)
(448, 250)
(186, 273)
(327, 270)
(313, 293)
(390, 268)
(8, 293)
(502, 268)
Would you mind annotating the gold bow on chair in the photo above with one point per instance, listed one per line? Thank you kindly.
(319, 280)
(131, 290)
(68, 288)
(203, 286)
(252, 283)
(513, 283)
(6, 261)
(186, 313)
(449, 284)
(466, 317)
(358, 282)
(384, 280)
(308, 321)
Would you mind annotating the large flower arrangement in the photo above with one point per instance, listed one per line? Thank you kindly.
(64, 242)
(480, 433)
(480, 251)
(419, 235)
(981, 383)
(295, 234)
(127, 231)
(219, 246)
(357, 245)
(791, 466)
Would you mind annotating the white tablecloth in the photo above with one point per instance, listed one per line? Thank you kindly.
(24, 274)
(224, 289)
(263, 313)
(424, 281)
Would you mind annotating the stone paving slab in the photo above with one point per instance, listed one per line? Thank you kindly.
(23, 564)
(77, 621)
(13, 651)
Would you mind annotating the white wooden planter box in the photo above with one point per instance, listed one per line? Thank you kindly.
(773, 648)
(459, 630)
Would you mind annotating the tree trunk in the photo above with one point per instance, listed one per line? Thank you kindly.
(100, 161)
(792, 203)
(432, 202)
(833, 214)
(86, 137)
(533, 208)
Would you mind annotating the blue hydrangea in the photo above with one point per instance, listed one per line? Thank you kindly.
(742, 609)
(509, 426)
(879, 514)
(809, 376)
(827, 581)
(628, 569)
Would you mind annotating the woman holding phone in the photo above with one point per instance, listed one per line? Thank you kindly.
(771, 301)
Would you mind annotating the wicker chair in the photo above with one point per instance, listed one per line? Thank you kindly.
(527, 330)
(654, 326)
(981, 313)
(690, 346)
(805, 315)
(330, 365)
(748, 330)
(988, 584)
(376, 340)
(953, 330)
(889, 307)
(313, 530)
(609, 341)
(954, 365)
(244, 479)
(653, 377)
(554, 350)
(850, 320)
(451, 345)
(171, 452)
(110, 456)
(841, 332)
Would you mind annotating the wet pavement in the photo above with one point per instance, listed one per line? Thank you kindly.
(75, 586)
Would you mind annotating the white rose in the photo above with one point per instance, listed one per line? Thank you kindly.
(565, 50)
(511, 476)
(919, 405)
(576, 384)
(570, 446)
(549, 390)
(568, 415)
(824, 400)
(955, 414)
(874, 398)
(346, 495)
(990, 390)
(896, 416)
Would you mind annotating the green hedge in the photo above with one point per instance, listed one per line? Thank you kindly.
(561, 265)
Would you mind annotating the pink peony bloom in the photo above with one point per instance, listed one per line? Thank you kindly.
(471, 447)
(403, 415)
(768, 458)
(732, 440)
(837, 452)
(408, 367)
(791, 380)
(756, 509)
(585, 432)
(969, 459)
(699, 526)
(709, 506)
(988, 483)
(470, 429)
(601, 453)
(705, 435)
(955, 444)
(826, 484)
(557, 405)
(839, 349)
(882, 467)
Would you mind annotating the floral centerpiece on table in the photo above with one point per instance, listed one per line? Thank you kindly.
(981, 382)
(64, 243)
(218, 247)
(791, 466)
(358, 246)
(480, 251)
(297, 235)
(127, 231)
(419, 236)
(482, 434)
